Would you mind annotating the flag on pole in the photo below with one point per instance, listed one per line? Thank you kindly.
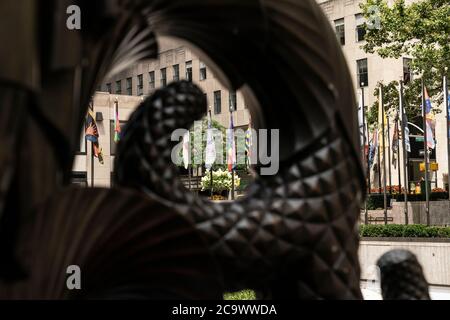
(210, 145)
(373, 148)
(448, 112)
(430, 121)
(395, 144)
(382, 119)
(91, 133)
(248, 143)
(361, 121)
(186, 143)
(406, 137)
(117, 128)
(231, 146)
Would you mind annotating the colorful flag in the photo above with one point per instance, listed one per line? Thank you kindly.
(395, 140)
(231, 146)
(430, 121)
(186, 143)
(362, 134)
(381, 119)
(373, 148)
(116, 126)
(406, 137)
(210, 145)
(92, 135)
(248, 143)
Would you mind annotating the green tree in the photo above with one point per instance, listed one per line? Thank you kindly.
(222, 181)
(420, 30)
(391, 99)
(198, 155)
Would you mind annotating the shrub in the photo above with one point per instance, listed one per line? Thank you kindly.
(221, 181)
(389, 189)
(434, 196)
(404, 231)
(241, 295)
(376, 201)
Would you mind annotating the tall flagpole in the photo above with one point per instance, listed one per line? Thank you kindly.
(189, 175)
(425, 142)
(368, 161)
(447, 104)
(210, 169)
(380, 184)
(397, 123)
(369, 184)
(232, 165)
(366, 213)
(384, 155)
(91, 106)
(389, 153)
(405, 152)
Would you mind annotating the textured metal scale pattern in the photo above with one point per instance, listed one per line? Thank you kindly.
(303, 216)
(295, 233)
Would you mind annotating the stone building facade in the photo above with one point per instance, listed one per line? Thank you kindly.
(177, 60)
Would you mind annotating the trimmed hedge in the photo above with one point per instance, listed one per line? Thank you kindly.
(434, 196)
(376, 201)
(403, 231)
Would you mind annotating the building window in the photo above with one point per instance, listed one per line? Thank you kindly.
(339, 26)
(217, 102)
(163, 77)
(112, 143)
(119, 87)
(407, 73)
(140, 85)
(202, 71)
(362, 73)
(108, 87)
(129, 86)
(176, 72)
(151, 80)
(232, 101)
(360, 27)
(189, 71)
(79, 179)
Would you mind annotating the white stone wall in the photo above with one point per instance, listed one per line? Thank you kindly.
(433, 256)
(176, 52)
(385, 70)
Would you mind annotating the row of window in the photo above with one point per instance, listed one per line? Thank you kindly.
(232, 104)
(232, 101)
(362, 71)
(360, 30)
(151, 79)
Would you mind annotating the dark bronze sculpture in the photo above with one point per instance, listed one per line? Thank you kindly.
(294, 235)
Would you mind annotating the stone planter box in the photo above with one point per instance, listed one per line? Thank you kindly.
(439, 212)
(433, 255)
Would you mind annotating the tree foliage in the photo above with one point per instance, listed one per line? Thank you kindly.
(222, 181)
(420, 30)
(197, 156)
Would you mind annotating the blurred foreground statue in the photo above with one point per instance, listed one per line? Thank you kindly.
(295, 234)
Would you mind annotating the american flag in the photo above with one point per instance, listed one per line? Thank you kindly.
(92, 135)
